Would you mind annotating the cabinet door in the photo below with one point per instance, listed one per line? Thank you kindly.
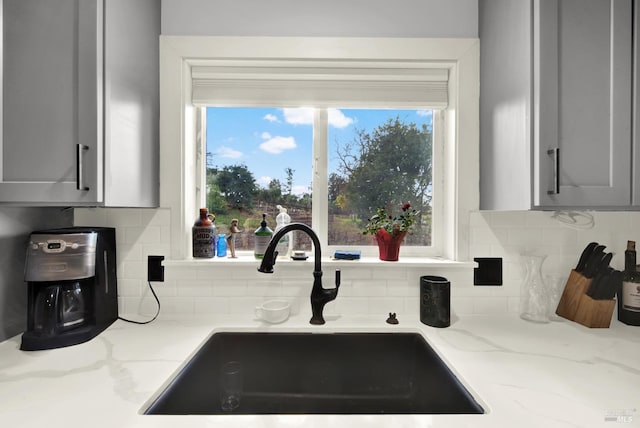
(636, 110)
(582, 102)
(51, 92)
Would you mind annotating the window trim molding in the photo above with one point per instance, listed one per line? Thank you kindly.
(179, 117)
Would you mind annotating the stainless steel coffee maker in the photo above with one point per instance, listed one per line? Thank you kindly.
(71, 281)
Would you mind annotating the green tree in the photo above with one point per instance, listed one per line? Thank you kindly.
(273, 193)
(304, 201)
(337, 199)
(237, 185)
(387, 167)
(216, 202)
(289, 187)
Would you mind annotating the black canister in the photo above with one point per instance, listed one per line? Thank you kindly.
(435, 301)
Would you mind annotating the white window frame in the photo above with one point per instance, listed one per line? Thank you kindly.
(182, 156)
(320, 179)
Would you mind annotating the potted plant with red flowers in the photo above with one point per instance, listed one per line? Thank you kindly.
(390, 230)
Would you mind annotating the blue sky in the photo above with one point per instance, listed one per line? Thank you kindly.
(269, 140)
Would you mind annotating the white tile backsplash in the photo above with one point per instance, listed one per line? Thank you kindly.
(238, 289)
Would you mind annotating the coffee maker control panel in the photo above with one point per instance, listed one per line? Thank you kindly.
(52, 257)
(54, 246)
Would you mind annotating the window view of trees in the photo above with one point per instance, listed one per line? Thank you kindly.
(380, 160)
(385, 167)
(233, 192)
(257, 159)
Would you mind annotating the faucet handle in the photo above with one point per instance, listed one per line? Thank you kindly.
(338, 278)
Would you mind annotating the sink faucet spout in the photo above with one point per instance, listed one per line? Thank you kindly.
(319, 295)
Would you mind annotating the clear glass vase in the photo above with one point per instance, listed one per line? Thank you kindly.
(534, 305)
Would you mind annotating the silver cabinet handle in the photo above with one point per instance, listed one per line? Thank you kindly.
(80, 148)
(556, 171)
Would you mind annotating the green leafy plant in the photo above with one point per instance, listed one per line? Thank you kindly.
(392, 224)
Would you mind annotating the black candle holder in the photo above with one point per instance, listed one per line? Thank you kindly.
(435, 301)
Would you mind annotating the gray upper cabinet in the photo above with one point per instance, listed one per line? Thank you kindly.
(636, 111)
(80, 102)
(559, 133)
(582, 101)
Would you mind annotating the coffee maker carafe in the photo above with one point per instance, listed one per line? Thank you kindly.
(71, 282)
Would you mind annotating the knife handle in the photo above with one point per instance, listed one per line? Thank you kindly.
(586, 253)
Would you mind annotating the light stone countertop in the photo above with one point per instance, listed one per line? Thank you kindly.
(559, 374)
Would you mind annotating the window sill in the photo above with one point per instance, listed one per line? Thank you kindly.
(402, 263)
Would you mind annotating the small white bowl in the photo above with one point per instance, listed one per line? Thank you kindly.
(273, 311)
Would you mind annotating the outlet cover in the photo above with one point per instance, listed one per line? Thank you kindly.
(488, 272)
(155, 270)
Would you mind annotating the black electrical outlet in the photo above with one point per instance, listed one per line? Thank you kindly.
(488, 272)
(155, 270)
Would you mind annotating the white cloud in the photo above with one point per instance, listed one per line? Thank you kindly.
(426, 113)
(277, 145)
(304, 116)
(271, 118)
(264, 181)
(337, 119)
(298, 116)
(228, 152)
(265, 135)
(299, 190)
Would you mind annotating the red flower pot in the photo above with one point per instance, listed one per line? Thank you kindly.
(389, 245)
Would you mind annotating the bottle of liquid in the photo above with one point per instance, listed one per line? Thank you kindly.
(204, 235)
(629, 295)
(285, 245)
(262, 238)
(221, 246)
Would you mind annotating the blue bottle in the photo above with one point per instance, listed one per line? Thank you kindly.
(222, 245)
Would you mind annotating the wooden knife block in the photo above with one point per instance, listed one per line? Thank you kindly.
(576, 305)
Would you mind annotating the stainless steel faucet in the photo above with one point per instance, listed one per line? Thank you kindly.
(319, 296)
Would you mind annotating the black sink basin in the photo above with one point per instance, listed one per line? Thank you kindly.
(337, 373)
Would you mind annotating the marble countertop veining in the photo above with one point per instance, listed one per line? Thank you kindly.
(559, 374)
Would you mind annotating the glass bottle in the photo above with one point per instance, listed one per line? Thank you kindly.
(262, 238)
(629, 295)
(285, 243)
(204, 235)
(534, 300)
(221, 246)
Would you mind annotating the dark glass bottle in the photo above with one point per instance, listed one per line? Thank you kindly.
(629, 295)
(204, 235)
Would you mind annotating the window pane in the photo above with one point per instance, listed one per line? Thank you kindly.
(258, 158)
(380, 158)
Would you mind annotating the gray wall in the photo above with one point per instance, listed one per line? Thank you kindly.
(15, 226)
(325, 18)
